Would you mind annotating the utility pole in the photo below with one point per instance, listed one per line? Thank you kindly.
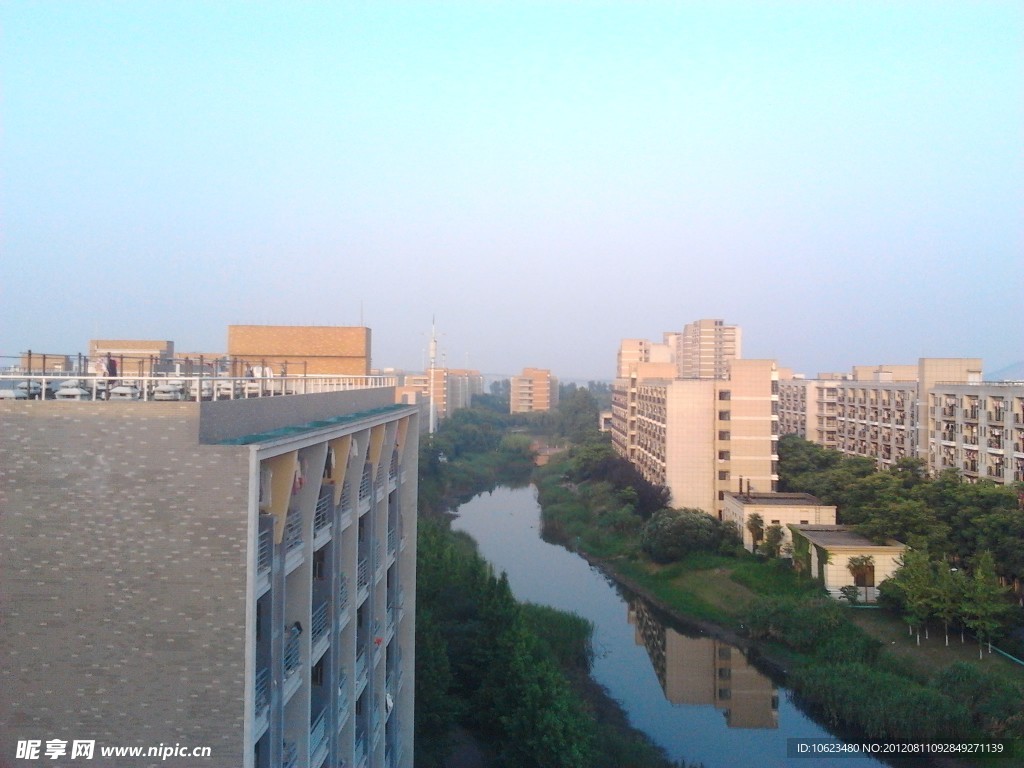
(430, 377)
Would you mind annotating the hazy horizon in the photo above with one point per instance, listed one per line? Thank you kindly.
(845, 181)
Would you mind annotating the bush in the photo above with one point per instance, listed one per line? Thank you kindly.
(672, 534)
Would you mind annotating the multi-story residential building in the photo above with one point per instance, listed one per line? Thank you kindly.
(810, 408)
(300, 349)
(532, 391)
(451, 388)
(706, 348)
(624, 403)
(695, 436)
(881, 412)
(691, 415)
(235, 577)
(977, 429)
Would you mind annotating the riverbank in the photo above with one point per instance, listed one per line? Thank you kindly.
(792, 631)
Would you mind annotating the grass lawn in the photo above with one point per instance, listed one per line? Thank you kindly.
(932, 655)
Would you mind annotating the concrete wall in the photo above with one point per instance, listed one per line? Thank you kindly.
(122, 580)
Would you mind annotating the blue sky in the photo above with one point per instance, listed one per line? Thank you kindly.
(845, 180)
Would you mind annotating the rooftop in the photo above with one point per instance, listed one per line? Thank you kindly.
(832, 536)
(777, 499)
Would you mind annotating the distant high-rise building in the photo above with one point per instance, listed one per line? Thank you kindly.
(532, 391)
(706, 347)
(696, 433)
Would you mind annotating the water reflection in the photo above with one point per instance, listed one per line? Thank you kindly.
(698, 670)
(666, 678)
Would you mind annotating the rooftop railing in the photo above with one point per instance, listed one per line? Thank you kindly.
(129, 386)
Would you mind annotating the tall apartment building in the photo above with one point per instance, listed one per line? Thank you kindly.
(706, 348)
(697, 437)
(452, 388)
(691, 415)
(977, 429)
(235, 576)
(532, 391)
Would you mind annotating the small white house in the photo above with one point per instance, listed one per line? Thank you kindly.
(825, 551)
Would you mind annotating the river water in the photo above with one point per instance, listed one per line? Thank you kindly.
(695, 696)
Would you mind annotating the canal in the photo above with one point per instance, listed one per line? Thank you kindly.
(695, 696)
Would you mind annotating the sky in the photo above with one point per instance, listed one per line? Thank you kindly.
(843, 179)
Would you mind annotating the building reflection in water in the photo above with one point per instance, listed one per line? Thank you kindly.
(706, 671)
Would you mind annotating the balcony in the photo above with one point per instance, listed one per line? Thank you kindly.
(360, 746)
(363, 574)
(265, 551)
(319, 623)
(366, 484)
(262, 693)
(322, 516)
(290, 755)
(360, 668)
(318, 734)
(344, 705)
(292, 650)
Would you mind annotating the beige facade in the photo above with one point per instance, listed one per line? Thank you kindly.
(300, 349)
(706, 348)
(691, 415)
(782, 509)
(877, 412)
(809, 408)
(978, 430)
(533, 391)
(695, 436)
(825, 552)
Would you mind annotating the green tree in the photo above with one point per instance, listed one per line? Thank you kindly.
(673, 533)
(915, 579)
(436, 709)
(949, 590)
(773, 539)
(862, 568)
(985, 602)
(755, 524)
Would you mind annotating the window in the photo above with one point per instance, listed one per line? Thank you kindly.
(723, 474)
(316, 675)
(725, 394)
(865, 577)
(724, 434)
(723, 455)
(724, 415)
